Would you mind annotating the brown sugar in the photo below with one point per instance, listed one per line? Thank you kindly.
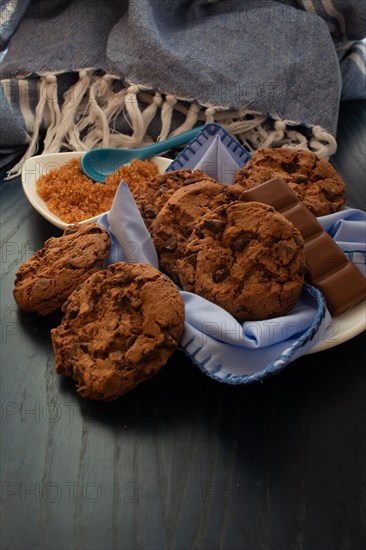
(73, 197)
(137, 174)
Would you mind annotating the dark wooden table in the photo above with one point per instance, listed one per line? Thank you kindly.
(182, 462)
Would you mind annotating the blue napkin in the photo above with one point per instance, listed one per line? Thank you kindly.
(217, 343)
(348, 229)
(215, 152)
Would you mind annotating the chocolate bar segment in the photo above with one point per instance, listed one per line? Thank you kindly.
(342, 289)
(304, 220)
(342, 285)
(322, 258)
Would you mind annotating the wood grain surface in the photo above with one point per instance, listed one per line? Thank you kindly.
(182, 462)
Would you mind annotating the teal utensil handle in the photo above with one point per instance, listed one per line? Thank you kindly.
(172, 142)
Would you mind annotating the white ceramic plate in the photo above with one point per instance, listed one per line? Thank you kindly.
(37, 166)
(342, 328)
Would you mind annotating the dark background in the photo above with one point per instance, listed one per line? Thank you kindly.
(181, 462)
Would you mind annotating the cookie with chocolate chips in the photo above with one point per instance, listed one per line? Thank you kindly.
(246, 258)
(46, 280)
(176, 220)
(120, 327)
(151, 197)
(314, 180)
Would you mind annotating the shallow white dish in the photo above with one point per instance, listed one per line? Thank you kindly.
(342, 328)
(39, 165)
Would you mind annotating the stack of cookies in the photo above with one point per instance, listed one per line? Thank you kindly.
(247, 258)
(244, 257)
(121, 324)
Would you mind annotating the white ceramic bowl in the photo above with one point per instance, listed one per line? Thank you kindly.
(39, 165)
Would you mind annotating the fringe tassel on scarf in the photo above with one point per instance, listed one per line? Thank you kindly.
(87, 118)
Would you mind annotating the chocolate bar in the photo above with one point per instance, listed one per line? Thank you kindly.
(341, 283)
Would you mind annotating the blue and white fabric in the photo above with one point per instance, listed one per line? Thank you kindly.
(122, 73)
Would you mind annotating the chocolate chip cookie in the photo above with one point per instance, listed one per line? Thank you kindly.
(119, 328)
(314, 180)
(247, 258)
(151, 197)
(46, 280)
(176, 220)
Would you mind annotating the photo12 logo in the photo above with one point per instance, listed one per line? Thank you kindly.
(13, 252)
(89, 492)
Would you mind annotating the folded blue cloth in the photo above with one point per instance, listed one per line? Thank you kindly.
(222, 347)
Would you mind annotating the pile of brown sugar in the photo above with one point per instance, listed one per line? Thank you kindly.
(73, 197)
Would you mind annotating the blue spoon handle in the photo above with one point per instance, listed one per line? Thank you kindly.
(169, 143)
